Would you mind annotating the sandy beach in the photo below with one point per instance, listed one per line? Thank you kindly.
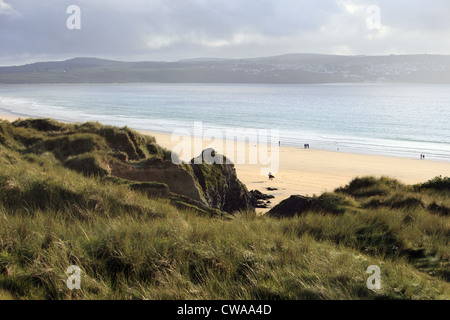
(310, 171)
(9, 118)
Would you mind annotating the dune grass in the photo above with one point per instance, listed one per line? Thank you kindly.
(184, 256)
(131, 246)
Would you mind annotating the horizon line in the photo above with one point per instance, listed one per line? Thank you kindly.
(211, 59)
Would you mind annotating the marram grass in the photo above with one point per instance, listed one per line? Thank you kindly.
(129, 246)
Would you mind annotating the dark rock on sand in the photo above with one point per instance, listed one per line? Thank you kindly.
(295, 205)
(260, 200)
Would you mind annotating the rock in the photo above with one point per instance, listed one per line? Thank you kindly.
(261, 205)
(295, 205)
(271, 189)
(260, 196)
(219, 184)
(258, 199)
(327, 203)
(214, 185)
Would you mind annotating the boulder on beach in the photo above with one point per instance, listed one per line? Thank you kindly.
(291, 207)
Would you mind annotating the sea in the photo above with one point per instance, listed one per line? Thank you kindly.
(401, 120)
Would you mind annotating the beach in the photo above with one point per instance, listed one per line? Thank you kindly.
(309, 171)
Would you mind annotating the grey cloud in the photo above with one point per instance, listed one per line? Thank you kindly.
(175, 29)
(413, 15)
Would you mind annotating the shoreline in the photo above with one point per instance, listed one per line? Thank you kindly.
(317, 145)
(310, 171)
(340, 141)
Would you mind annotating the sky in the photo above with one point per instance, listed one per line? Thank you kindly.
(170, 30)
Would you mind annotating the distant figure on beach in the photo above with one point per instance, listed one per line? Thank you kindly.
(306, 145)
(421, 156)
(271, 177)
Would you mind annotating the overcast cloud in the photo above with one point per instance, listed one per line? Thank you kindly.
(178, 29)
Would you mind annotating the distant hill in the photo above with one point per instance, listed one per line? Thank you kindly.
(290, 68)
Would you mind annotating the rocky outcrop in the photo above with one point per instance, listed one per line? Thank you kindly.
(219, 183)
(260, 200)
(214, 185)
